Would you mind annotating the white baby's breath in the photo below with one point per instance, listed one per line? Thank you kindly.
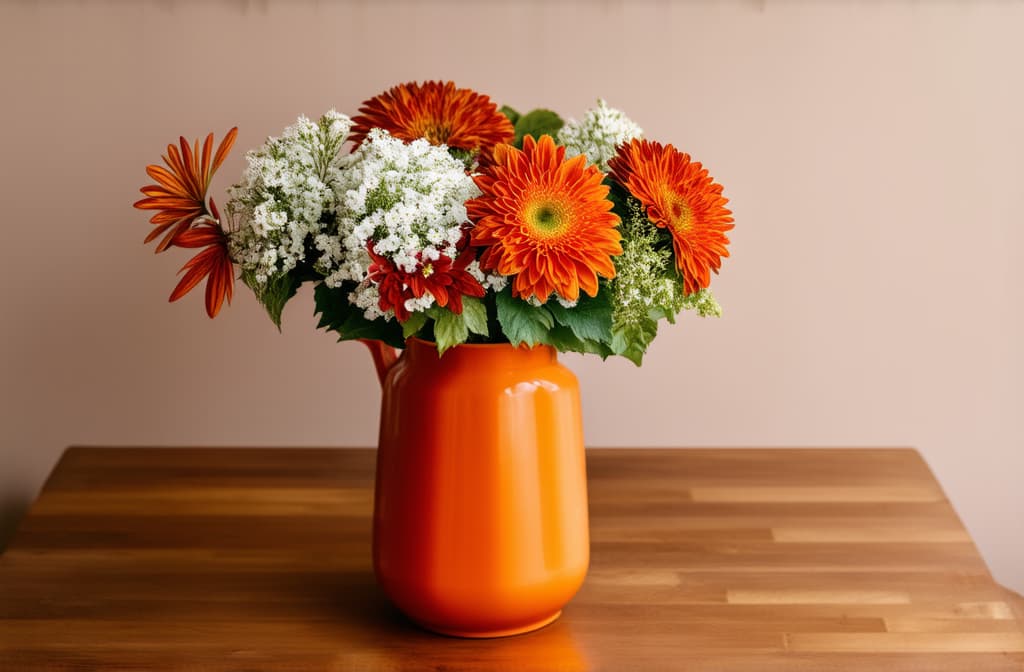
(494, 281)
(407, 199)
(602, 129)
(286, 196)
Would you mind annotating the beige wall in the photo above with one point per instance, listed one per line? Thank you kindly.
(872, 151)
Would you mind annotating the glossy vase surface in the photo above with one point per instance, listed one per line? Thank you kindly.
(480, 517)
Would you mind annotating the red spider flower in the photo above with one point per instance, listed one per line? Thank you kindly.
(679, 195)
(213, 262)
(185, 220)
(438, 112)
(446, 280)
(180, 194)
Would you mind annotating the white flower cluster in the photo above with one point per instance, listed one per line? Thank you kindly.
(287, 196)
(408, 199)
(495, 282)
(704, 302)
(602, 130)
(641, 282)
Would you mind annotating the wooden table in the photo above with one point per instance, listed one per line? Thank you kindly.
(239, 559)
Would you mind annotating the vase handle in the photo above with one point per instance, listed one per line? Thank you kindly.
(384, 356)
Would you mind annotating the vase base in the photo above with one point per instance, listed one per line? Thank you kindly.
(487, 634)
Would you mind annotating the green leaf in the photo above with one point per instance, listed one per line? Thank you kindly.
(590, 318)
(522, 322)
(512, 115)
(662, 313)
(537, 123)
(474, 312)
(564, 340)
(449, 329)
(274, 294)
(337, 314)
(631, 341)
(413, 324)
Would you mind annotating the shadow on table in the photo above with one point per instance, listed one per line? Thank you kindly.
(372, 633)
(12, 510)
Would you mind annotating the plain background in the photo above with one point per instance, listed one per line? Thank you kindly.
(872, 152)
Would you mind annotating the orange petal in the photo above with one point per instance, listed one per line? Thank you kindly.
(223, 149)
(214, 294)
(173, 215)
(204, 165)
(198, 267)
(200, 237)
(197, 169)
(166, 203)
(168, 240)
(188, 170)
(155, 190)
(169, 180)
(156, 231)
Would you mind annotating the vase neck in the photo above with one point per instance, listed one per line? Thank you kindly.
(489, 355)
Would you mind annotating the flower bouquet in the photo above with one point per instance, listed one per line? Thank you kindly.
(436, 222)
(434, 214)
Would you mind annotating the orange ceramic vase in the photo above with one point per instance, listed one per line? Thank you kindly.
(480, 517)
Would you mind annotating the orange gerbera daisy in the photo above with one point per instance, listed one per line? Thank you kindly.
(680, 196)
(439, 112)
(180, 194)
(545, 220)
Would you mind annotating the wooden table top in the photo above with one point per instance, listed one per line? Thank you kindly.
(259, 559)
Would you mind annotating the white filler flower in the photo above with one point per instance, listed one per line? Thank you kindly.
(287, 197)
(602, 130)
(407, 199)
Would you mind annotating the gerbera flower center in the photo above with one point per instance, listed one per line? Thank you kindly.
(427, 270)
(547, 217)
(679, 212)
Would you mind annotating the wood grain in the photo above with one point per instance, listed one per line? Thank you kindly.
(258, 559)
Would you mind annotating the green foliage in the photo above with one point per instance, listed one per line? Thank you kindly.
(475, 315)
(537, 123)
(589, 319)
(512, 115)
(584, 328)
(647, 287)
(449, 329)
(522, 322)
(631, 340)
(412, 326)
(278, 290)
(465, 156)
(348, 321)
(563, 339)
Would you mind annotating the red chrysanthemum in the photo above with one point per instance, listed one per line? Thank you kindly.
(446, 280)
(186, 221)
(680, 196)
(438, 112)
(545, 220)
